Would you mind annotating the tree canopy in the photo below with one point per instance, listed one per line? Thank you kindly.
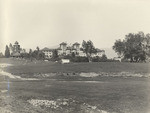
(55, 54)
(88, 48)
(7, 52)
(134, 47)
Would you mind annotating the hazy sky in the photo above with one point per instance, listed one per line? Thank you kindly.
(49, 22)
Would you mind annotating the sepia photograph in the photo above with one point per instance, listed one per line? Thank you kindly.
(74, 56)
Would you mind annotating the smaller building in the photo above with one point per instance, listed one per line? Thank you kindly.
(15, 49)
(82, 54)
(65, 61)
(99, 53)
(47, 52)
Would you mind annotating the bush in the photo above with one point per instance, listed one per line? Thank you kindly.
(79, 59)
(54, 59)
(111, 60)
(96, 59)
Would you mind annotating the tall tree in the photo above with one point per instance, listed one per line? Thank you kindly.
(73, 55)
(146, 45)
(30, 51)
(30, 54)
(7, 52)
(1, 55)
(10, 45)
(11, 49)
(40, 56)
(119, 47)
(88, 49)
(131, 47)
(55, 54)
(37, 48)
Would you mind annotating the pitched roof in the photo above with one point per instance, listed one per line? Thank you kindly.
(63, 43)
(16, 42)
(46, 49)
(76, 43)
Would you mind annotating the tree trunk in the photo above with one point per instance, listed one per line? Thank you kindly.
(131, 59)
(89, 58)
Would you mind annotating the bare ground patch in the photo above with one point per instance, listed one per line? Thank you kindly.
(66, 105)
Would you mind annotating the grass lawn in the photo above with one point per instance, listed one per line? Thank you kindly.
(111, 94)
(21, 66)
(121, 96)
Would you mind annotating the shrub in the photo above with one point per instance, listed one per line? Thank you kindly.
(79, 59)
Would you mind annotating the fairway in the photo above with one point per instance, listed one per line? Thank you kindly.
(63, 88)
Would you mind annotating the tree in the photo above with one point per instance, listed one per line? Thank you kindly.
(88, 49)
(10, 45)
(40, 56)
(7, 52)
(103, 58)
(119, 47)
(30, 54)
(37, 48)
(55, 54)
(146, 45)
(36, 54)
(1, 55)
(30, 51)
(131, 47)
(73, 55)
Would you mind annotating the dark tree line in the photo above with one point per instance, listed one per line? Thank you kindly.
(87, 47)
(36, 54)
(134, 47)
(7, 52)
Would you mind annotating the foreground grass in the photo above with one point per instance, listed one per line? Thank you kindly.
(112, 94)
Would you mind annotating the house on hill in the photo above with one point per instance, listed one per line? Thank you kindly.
(64, 50)
(68, 50)
(47, 52)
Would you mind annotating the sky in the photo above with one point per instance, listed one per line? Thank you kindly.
(47, 23)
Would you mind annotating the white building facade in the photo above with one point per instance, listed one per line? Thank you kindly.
(47, 52)
(63, 50)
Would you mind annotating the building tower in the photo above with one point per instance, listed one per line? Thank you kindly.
(76, 46)
(63, 47)
(16, 47)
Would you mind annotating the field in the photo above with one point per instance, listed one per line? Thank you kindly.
(105, 87)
